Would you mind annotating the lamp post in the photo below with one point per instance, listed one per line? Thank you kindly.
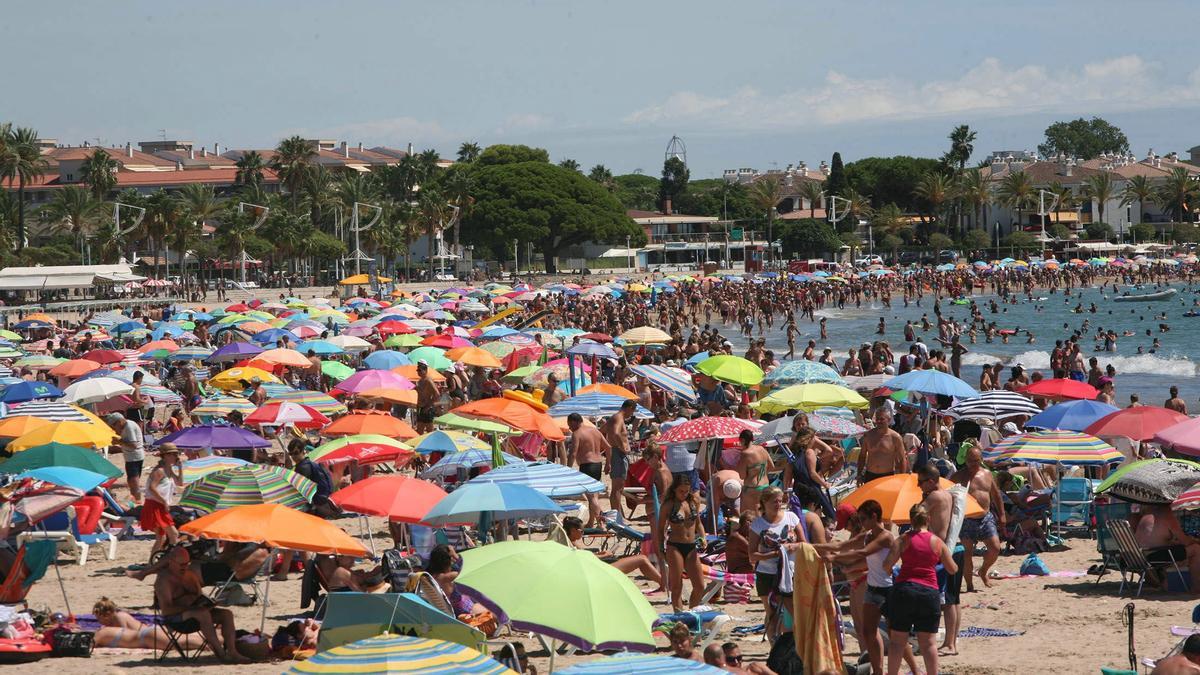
(262, 217)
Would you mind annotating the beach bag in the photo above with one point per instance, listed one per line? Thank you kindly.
(71, 643)
(485, 622)
(1034, 565)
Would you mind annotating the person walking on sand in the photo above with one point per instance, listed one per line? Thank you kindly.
(982, 487)
(164, 480)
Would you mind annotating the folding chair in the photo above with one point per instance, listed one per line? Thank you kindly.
(704, 622)
(176, 631)
(423, 585)
(1106, 543)
(1131, 559)
(1072, 502)
(631, 538)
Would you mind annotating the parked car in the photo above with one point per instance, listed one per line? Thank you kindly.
(868, 260)
(948, 255)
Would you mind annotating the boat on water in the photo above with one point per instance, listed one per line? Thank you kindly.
(1146, 297)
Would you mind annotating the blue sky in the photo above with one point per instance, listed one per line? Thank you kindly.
(759, 84)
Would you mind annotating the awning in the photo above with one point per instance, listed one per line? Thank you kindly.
(22, 283)
(619, 253)
(119, 278)
(58, 281)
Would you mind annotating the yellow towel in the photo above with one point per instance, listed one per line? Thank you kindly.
(814, 625)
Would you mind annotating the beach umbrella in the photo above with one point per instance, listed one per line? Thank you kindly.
(675, 381)
(251, 484)
(1183, 437)
(644, 335)
(357, 616)
(561, 371)
(608, 389)
(479, 424)
(287, 414)
(336, 370)
(1138, 424)
(1070, 416)
(104, 356)
(386, 360)
(1054, 447)
(234, 351)
(398, 498)
(28, 391)
(474, 356)
(38, 362)
(548, 478)
(434, 357)
(732, 369)
(370, 423)
(233, 378)
(270, 336)
(595, 405)
(322, 403)
(449, 464)
(320, 348)
(195, 353)
(194, 469)
(66, 476)
(1060, 389)
(95, 390)
(126, 375)
(1151, 481)
(389, 653)
(349, 343)
(401, 341)
(405, 397)
(362, 448)
(514, 414)
(704, 428)
(52, 411)
(592, 349)
(566, 593)
(898, 493)
(446, 341)
(810, 397)
(447, 442)
(802, 372)
(825, 426)
(62, 455)
(221, 405)
(276, 526)
(1188, 500)
(212, 436)
(996, 404)
(83, 434)
(642, 664)
(284, 357)
(159, 348)
(507, 501)
(74, 368)
(373, 379)
(19, 425)
(932, 382)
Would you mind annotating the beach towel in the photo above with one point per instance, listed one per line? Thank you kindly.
(815, 627)
(959, 507)
(749, 630)
(976, 631)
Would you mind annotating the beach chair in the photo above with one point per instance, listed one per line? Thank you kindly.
(1072, 502)
(424, 586)
(116, 513)
(175, 631)
(1106, 543)
(32, 561)
(704, 622)
(63, 528)
(630, 538)
(1131, 559)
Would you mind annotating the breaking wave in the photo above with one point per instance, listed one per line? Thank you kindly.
(1146, 364)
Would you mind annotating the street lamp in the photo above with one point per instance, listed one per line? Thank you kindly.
(262, 217)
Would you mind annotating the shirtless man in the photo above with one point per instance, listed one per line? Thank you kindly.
(982, 487)
(181, 597)
(617, 462)
(1175, 403)
(882, 450)
(1185, 662)
(427, 396)
(591, 451)
(940, 505)
(1162, 539)
(753, 466)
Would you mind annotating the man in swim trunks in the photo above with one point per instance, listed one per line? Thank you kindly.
(618, 457)
(982, 487)
(753, 465)
(882, 450)
(591, 449)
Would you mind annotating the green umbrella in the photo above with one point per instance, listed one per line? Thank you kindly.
(732, 369)
(59, 454)
(560, 591)
(436, 358)
(336, 369)
(470, 424)
(1133, 467)
(521, 373)
(409, 340)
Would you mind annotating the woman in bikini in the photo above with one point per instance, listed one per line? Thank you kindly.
(119, 630)
(804, 469)
(681, 535)
(753, 466)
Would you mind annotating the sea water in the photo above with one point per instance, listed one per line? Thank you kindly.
(1050, 317)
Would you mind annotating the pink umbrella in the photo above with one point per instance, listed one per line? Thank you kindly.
(364, 380)
(287, 413)
(703, 428)
(1183, 437)
(306, 332)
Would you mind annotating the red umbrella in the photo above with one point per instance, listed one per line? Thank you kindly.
(285, 413)
(104, 356)
(1060, 388)
(446, 341)
(704, 428)
(399, 498)
(393, 328)
(1139, 424)
(597, 337)
(237, 307)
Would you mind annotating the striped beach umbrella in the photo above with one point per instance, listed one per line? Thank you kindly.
(161, 395)
(1054, 447)
(400, 654)
(1189, 500)
(595, 405)
(448, 442)
(193, 469)
(449, 464)
(221, 405)
(362, 448)
(802, 372)
(997, 404)
(548, 478)
(245, 485)
(671, 380)
(644, 335)
(52, 411)
(37, 362)
(322, 403)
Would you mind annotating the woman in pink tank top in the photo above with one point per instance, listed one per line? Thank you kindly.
(915, 603)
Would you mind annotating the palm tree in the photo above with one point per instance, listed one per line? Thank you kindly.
(571, 165)
(432, 207)
(163, 214)
(1139, 190)
(1177, 193)
(1064, 196)
(458, 186)
(1101, 188)
(890, 222)
(468, 152)
(250, 168)
(858, 206)
(317, 188)
(236, 229)
(353, 188)
(1016, 192)
(766, 195)
(974, 190)
(21, 160)
(962, 144)
(293, 157)
(935, 190)
(603, 176)
(99, 173)
(73, 210)
(810, 191)
(199, 205)
(108, 240)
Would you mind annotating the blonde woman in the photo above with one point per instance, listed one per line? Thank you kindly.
(680, 537)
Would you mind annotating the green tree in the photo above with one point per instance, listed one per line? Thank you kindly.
(317, 191)
(1098, 230)
(637, 191)
(1085, 139)
(891, 243)
(20, 161)
(199, 205)
(1021, 242)
(1143, 232)
(468, 152)
(855, 207)
(604, 177)
(1137, 189)
(934, 190)
(837, 182)
(250, 167)
(163, 215)
(962, 144)
(940, 242)
(1178, 193)
(571, 164)
(976, 239)
(293, 157)
(547, 205)
(1059, 231)
(99, 172)
(1100, 188)
(74, 211)
(1016, 192)
(809, 238)
(810, 191)
(1065, 197)
(511, 154)
(458, 187)
(891, 179)
(674, 181)
(976, 192)
(766, 195)
(890, 221)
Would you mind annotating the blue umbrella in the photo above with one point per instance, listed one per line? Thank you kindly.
(165, 330)
(1070, 415)
(29, 391)
(474, 500)
(67, 476)
(932, 382)
(595, 404)
(548, 478)
(320, 348)
(442, 441)
(190, 354)
(32, 324)
(449, 464)
(695, 359)
(624, 664)
(802, 372)
(126, 326)
(592, 349)
(272, 334)
(386, 360)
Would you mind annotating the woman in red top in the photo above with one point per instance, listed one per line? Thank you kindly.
(915, 603)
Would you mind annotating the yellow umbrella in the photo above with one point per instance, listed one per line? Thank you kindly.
(82, 434)
(810, 397)
(645, 335)
(362, 279)
(231, 380)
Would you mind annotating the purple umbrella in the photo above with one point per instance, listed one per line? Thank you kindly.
(374, 379)
(235, 351)
(214, 436)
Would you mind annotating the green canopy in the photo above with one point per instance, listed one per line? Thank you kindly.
(356, 616)
(732, 369)
(59, 454)
(521, 373)
(436, 358)
(407, 340)
(470, 424)
(1122, 471)
(336, 369)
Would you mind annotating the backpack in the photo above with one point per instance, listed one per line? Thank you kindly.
(397, 567)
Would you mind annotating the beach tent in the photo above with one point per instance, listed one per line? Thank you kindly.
(356, 616)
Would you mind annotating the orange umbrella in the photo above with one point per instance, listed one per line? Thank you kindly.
(253, 327)
(370, 423)
(277, 526)
(610, 389)
(157, 345)
(19, 425)
(514, 414)
(897, 494)
(40, 316)
(391, 395)
(474, 356)
(284, 357)
(398, 498)
(411, 373)
(74, 368)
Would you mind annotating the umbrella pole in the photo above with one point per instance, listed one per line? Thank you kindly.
(262, 624)
(553, 648)
(61, 586)
(365, 524)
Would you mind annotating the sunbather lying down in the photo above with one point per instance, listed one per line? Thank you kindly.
(120, 630)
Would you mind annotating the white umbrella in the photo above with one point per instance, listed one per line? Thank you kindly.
(349, 343)
(95, 390)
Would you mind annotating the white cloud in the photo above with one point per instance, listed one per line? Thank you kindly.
(991, 87)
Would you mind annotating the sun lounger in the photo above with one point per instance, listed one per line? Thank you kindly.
(63, 528)
(1131, 559)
